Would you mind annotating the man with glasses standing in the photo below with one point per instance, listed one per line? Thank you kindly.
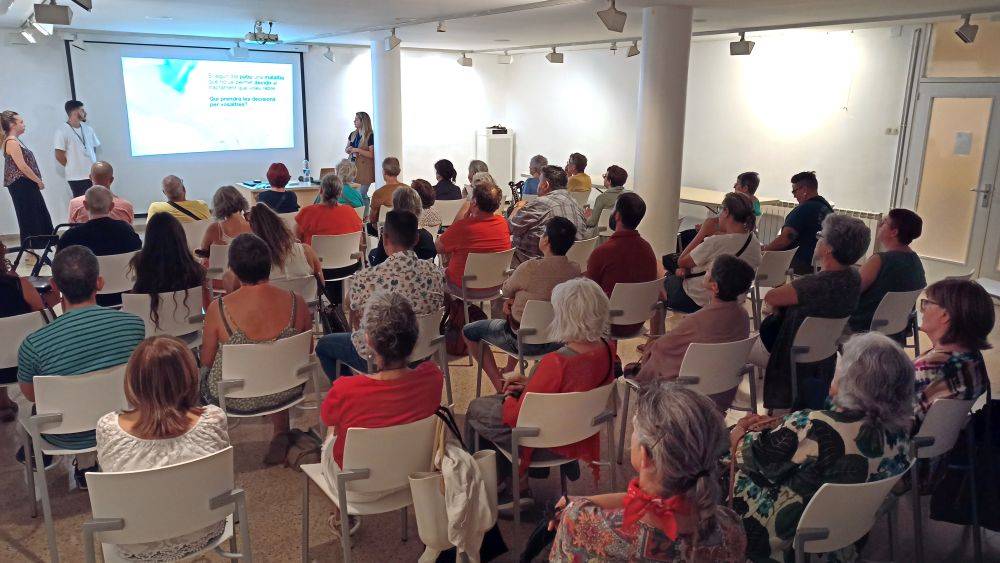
(76, 147)
(803, 223)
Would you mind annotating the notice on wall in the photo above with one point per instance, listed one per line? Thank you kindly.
(963, 143)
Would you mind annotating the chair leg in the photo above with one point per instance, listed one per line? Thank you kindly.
(29, 469)
(977, 539)
(916, 339)
(479, 370)
(795, 383)
(50, 530)
(345, 528)
(752, 378)
(305, 519)
(563, 485)
(443, 355)
(516, 481)
(917, 523)
(622, 422)
(611, 448)
(404, 523)
(890, 519)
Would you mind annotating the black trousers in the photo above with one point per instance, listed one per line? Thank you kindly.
(29, 207)
(79, 187)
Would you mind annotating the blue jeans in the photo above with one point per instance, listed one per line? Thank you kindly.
(333, 347)
(497, 332)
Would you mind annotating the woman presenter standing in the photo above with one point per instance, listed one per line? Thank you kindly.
(24, 181)
(361, 147)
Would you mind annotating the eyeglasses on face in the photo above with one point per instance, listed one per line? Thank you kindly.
(925, 302)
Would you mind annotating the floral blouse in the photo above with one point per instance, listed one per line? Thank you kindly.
(588, 532)
(779, 470)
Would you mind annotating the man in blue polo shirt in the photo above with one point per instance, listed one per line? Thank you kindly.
(84, 339)
(802, 224)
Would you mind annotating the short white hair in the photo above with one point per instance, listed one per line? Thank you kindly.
(483, 179)
(99, 200)
(876, 378)
(173, 187)
(537, 163)
(406, 198)
(581, 311)
(347, 170)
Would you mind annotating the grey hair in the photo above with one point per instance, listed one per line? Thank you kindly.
(330, 188)
(684, 434)
(848, 237)
(406, 198)
(347, 171)
(477, 166)
(391, 327)
(536, 164)
(483, 179)
(581, 311)
(173, 187)
(99, 200)
(876, 378)
(228, 201)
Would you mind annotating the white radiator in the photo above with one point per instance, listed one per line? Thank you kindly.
(773, 218)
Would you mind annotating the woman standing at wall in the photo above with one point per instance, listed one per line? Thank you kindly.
(361, 147)
(24, 181)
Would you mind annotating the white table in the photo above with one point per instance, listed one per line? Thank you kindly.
(711, 199)
(305, 193)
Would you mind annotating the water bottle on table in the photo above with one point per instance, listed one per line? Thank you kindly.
(305, 177)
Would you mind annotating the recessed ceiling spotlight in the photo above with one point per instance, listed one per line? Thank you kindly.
(505, 58)
(741, 47)
(441, 27)
(633, 50)
(392, 41)
(465, 60)
(554, 57)
(328, 55)
(967, 31)
(613, 18)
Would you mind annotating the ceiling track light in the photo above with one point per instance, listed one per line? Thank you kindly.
(392, 41)
(741, 47)
(967, 31)
(464, 60)
(633, 50)
(441, 27)
(45, 29)
(505, 58)
(554, 57)
(613, 18)
(50, 14)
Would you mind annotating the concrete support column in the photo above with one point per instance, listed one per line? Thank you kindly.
(387, 121)
(659, 152)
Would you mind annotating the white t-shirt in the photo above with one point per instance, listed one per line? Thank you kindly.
(704, 254)
(80, 146)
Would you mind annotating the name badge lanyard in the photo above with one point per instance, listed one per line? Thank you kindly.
(79, 135)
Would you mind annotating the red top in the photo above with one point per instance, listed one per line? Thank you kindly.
(480, 235)
(559, 373)
(322, 219)
(625, 258)
(360, 401)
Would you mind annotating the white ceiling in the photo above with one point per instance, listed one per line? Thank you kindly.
(333, 21)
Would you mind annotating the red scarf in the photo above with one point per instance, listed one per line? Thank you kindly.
(638, 503)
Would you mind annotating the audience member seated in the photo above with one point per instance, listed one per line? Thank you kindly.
(614, 185)
(672, 508)
(532, 280)
(165, 426)
(406, 199)
(481, 230)
(255, 313)
(475, 167)
(578, 180)
(685, 290)
(831, 293)
(331, 216)
(957, 316)
(445, 188)
(101, 174)
(84, 339)
(17, 297)
(478, 179)
(585, 362)
(276, 196)
(535, 166)
(290, 259)
(351, 194)
(429, 218)
(527, 222)
(383, 196)
(746, 183)
(866, 429)
(229, 207)
(393, 394)
(183, 209)
(165, 265)
(802, 224)
(723, 319)
(626, 257)
(421, 282)
(896, 267)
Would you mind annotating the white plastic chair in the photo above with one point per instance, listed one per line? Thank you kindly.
(772, 272)
(484, 271)
(114, 270)
(306, 286)
(65, 404)
(195, 232)
(937, 436)
(218, 261)
(815, 341)
(180, 314)
(360, 211)
(187, 497)
(447, 209)
(581, 250)
(289, 220)
(534, 329)
(337, 251)
(634, 303)
(376, 460)
(964, 276)
(430, 344)
(13, 331)
(839, 515)
(893, 313)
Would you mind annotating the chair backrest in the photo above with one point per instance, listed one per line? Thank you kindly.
(847, 511)
(563, 418)
(114, 270)
(893, 312)
(382, 212)
(944, 420)
(717, 367)
(325, 171)
(391, 454)
(266, 368)
(447, 209)
(195, 232)
(490, 268)
(429, 327)
(218, 260)
(773, 269)
(632, 303)
(179, 311)
(306, 286)
(180, 493)
(966, 276)
(580, 197)
(817, 337)
(13, 331)
(81, 399)
(538, 316)
(361, 212)
(289, 220)
(337, 251)
(581, 250)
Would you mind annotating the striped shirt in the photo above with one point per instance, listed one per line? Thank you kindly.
(527, 225)
(81, 341)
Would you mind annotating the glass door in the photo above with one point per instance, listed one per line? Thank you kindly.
(951, 177)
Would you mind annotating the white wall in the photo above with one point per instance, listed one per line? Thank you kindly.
(334, 93)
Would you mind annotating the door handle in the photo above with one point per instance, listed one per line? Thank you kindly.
(986, 191)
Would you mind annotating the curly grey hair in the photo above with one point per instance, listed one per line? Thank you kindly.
(684, 434)
(228, 201)
(330, 188)
(391, 327)
(876, 378)
(347, 171)
(536, 164)
(848, 237)
(581, 311)
(406, 198)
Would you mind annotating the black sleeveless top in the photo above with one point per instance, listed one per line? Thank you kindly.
(12, 301)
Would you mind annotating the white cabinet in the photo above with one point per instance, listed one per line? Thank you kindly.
(497, 151)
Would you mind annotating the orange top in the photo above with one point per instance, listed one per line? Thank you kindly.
(322, 219)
